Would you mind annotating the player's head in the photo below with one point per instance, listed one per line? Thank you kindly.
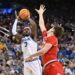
(18, 29)
(27, 31)
(57, 30)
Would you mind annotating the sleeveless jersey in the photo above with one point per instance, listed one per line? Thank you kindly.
(29, 46)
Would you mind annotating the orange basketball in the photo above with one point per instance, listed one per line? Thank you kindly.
(24, 14)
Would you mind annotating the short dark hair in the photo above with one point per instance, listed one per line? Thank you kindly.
(7, 65)
(59, 30)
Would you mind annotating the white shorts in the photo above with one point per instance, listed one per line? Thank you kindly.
(33, 68)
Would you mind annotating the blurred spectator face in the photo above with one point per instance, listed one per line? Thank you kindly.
(1, 51)
(12, 45)
(7, 68)
(72, 64)
(14, 67)
(0, 68)
(73, 50)
(4, 62)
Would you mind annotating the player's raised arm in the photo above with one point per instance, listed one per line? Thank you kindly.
(34, 28)
(16, 36)
(41, 19)
(14, 28)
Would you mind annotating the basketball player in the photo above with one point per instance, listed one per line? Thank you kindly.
(49, 51)
(29, 47)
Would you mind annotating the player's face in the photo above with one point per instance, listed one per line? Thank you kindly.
(18, 28)
(26, 32)
(51, 30)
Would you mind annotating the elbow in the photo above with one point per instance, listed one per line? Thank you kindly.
(13, 32)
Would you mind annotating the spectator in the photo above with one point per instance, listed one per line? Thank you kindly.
(1, 70)
(15, 71)
(3, 45)
(72, 56)
(1, 56)
(7, 70)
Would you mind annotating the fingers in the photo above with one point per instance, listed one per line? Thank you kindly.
(16, 15)
(42, 6)
(36, 10)
(45, 9)
(41, 9)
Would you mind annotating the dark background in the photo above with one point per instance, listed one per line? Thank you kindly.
(63, 10)
(55, 7)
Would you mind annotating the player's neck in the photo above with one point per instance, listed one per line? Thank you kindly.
(50, 34)
(26, 36)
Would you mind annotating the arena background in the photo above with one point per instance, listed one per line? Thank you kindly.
(62, 11)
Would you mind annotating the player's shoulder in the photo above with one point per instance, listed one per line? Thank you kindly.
(52, 38)
(26, 38)
(44, 33)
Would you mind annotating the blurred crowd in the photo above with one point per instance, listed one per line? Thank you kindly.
(66, 53)
(11, 59)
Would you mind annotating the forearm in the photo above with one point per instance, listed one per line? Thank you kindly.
(42, 51)
(35, 32)
(32, 22)
(39, 53)
(34, 28)
(4, 29)
(41, 23)
(14, 28)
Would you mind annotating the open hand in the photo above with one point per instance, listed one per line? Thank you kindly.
(17, 17)
(41, 9)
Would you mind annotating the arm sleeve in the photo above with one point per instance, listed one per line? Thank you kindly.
(14, 28)
(44, 34)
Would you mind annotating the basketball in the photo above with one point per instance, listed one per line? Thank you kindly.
(24, 14)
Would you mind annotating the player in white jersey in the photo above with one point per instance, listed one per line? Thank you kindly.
(29, 47)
